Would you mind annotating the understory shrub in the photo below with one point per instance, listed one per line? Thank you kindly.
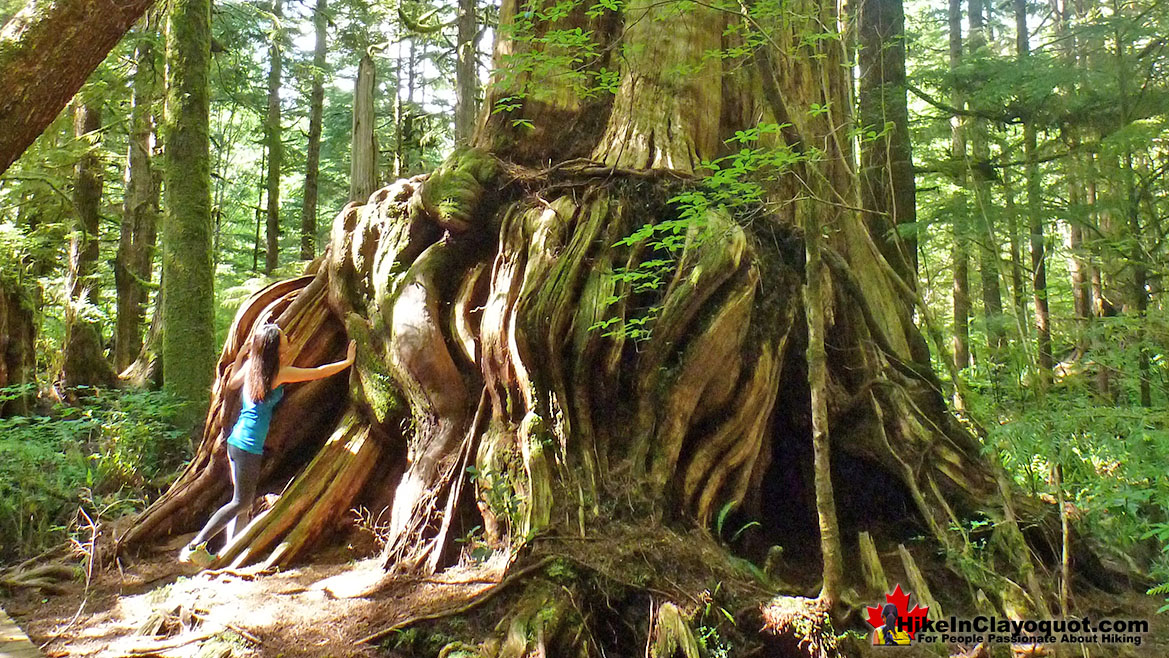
(107, 455)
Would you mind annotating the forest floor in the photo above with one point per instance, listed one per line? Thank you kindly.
(157, 607)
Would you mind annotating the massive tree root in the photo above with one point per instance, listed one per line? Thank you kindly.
(555, 372)
(499, 383)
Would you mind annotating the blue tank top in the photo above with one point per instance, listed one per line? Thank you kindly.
(251, 429)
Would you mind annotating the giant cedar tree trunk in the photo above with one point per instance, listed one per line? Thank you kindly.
(474, 295)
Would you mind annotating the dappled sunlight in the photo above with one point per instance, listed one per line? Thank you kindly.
(312, 610)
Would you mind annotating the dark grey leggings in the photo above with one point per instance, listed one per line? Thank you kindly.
(245, 475)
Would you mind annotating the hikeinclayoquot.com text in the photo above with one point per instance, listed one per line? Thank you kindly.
(982, 628)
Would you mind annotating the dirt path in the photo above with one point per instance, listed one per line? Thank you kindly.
(159, 608)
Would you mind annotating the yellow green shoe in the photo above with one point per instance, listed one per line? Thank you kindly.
(197, 555)
(201, 557)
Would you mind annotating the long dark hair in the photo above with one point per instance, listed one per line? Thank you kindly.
(263, 362)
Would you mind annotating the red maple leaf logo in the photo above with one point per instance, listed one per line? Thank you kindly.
(908, 620)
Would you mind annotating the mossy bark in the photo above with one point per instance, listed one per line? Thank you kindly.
(887, 185)
(85, 363)
(18, 328)
(188, 344)
(47, 52)
(136, 240)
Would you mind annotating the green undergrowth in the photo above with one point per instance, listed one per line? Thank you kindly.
(106, 455)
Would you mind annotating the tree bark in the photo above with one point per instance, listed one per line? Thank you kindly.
(134, 266)
(407, 150)
(1018, 289)
(188, 302)
(308, 212)
(987, 240)
(146, 370)
(47, 52)
(961, 249)
(84, 358)
(886, 174)
(18, 328)
(273, 138)
(1035, 218)
(466, 71)
(363, 152)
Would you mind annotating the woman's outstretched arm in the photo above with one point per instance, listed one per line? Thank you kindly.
(292, 374)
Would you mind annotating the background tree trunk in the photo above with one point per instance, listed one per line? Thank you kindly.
(961, 250)
(18, 325)
(886, 176)
(363, 153)
(47, 52)
(84, 359)
(188, 302)
(308, 212)
(134, 266)
(273, 140)
(1035, 216)
(979, 171)
(466, 71)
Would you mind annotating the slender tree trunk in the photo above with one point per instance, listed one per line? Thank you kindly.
(961, 250)
(308, 212)
(363, 153)
(1138, 294)
(261, 184)
(886, 174)
(84, 361)
(1035, 218)
(407, 164)
(188, 302)
(466, 71)
(816, 303)
(274, 139)
(1081, 213)
(988, 251)
(47, 52)
(1018, 290)
(135, 260)
(1100, 306)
